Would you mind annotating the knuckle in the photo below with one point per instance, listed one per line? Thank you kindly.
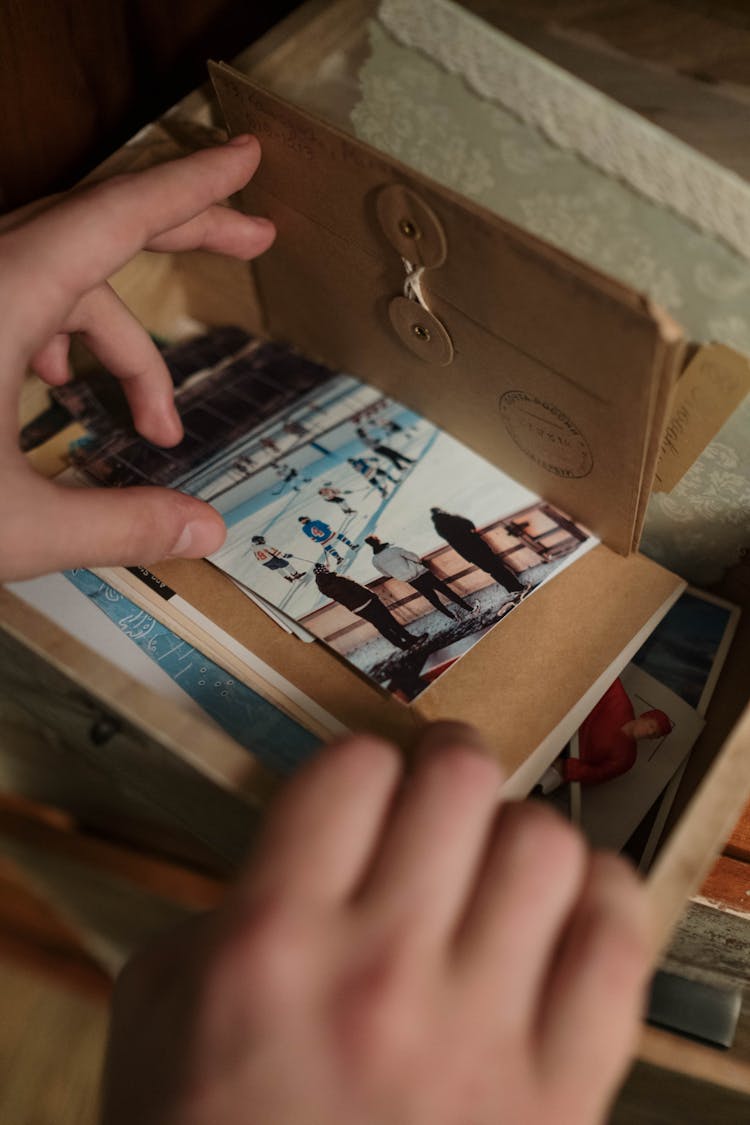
(263, 948)
(375, 1010)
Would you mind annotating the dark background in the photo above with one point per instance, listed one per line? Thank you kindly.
(78, 77)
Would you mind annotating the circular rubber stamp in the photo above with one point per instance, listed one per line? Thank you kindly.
(546, 435)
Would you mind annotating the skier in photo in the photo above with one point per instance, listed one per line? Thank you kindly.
(336, 496)
(396, 562)
(399, 460)
(366, 604)
(323, 536)
(365, 467)
(287, 475)
(273, 559)
(462, 535)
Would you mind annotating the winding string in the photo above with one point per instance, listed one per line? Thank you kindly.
(413, 284)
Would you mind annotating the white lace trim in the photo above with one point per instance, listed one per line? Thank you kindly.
(576, 117)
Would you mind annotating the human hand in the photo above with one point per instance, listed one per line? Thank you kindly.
(398, 952)
(53, 270)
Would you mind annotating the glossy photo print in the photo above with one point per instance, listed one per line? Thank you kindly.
(351, 519)
(381, 535)
(624, 755)
(686, 650)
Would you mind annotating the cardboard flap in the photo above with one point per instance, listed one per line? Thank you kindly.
(528, 685)
(712, 386)
(555, 373)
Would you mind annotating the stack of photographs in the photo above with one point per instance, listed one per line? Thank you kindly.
(625, 764)
(352, 520)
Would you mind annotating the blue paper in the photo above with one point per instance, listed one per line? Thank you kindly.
(274, 738)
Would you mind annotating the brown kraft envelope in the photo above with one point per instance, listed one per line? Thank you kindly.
(528, 330)
(560, 376)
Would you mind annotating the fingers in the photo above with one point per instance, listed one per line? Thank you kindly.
(531, 877)
(320, 836)
(51, 362)
(594, 994)
(95, 231)
(220, 230)
(426, 865)
(115, 337)
(81, 527)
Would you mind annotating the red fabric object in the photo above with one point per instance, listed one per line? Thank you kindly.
(605, 752)
(664, 721)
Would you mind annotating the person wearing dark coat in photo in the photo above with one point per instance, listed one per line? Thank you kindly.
(461, 534)
(400, 460)
(405, 566)
(365, 603)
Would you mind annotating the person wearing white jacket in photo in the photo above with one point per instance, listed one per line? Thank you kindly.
(396, 562)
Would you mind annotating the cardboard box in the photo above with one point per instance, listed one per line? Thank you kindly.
(521, 319)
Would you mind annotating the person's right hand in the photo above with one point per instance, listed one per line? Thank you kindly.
(54, 262)
(400, 951)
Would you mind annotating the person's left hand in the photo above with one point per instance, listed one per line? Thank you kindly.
(53, 270)
(399, 951)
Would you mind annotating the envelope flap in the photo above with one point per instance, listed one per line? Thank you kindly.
(552, 371)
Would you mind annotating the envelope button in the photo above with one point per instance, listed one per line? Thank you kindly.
(421, 331)
(411, 226)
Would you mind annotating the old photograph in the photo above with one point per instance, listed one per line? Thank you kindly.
(351, 519)
(688, 647)
(380, 534)
(627, 750)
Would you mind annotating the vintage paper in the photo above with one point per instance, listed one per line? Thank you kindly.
(684, 654)
(532, 332)
(350, 518)
(380, 534)
(478, 147)
(688, 648)
(278, 740)
(600, 609)
(687, 652)
(708, 392)
(612, 810)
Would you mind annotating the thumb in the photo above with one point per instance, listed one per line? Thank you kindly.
(56, 527)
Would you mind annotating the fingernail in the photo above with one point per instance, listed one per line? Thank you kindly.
(262, 221)
(197, 539)
(173, 424)
(241, 139)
